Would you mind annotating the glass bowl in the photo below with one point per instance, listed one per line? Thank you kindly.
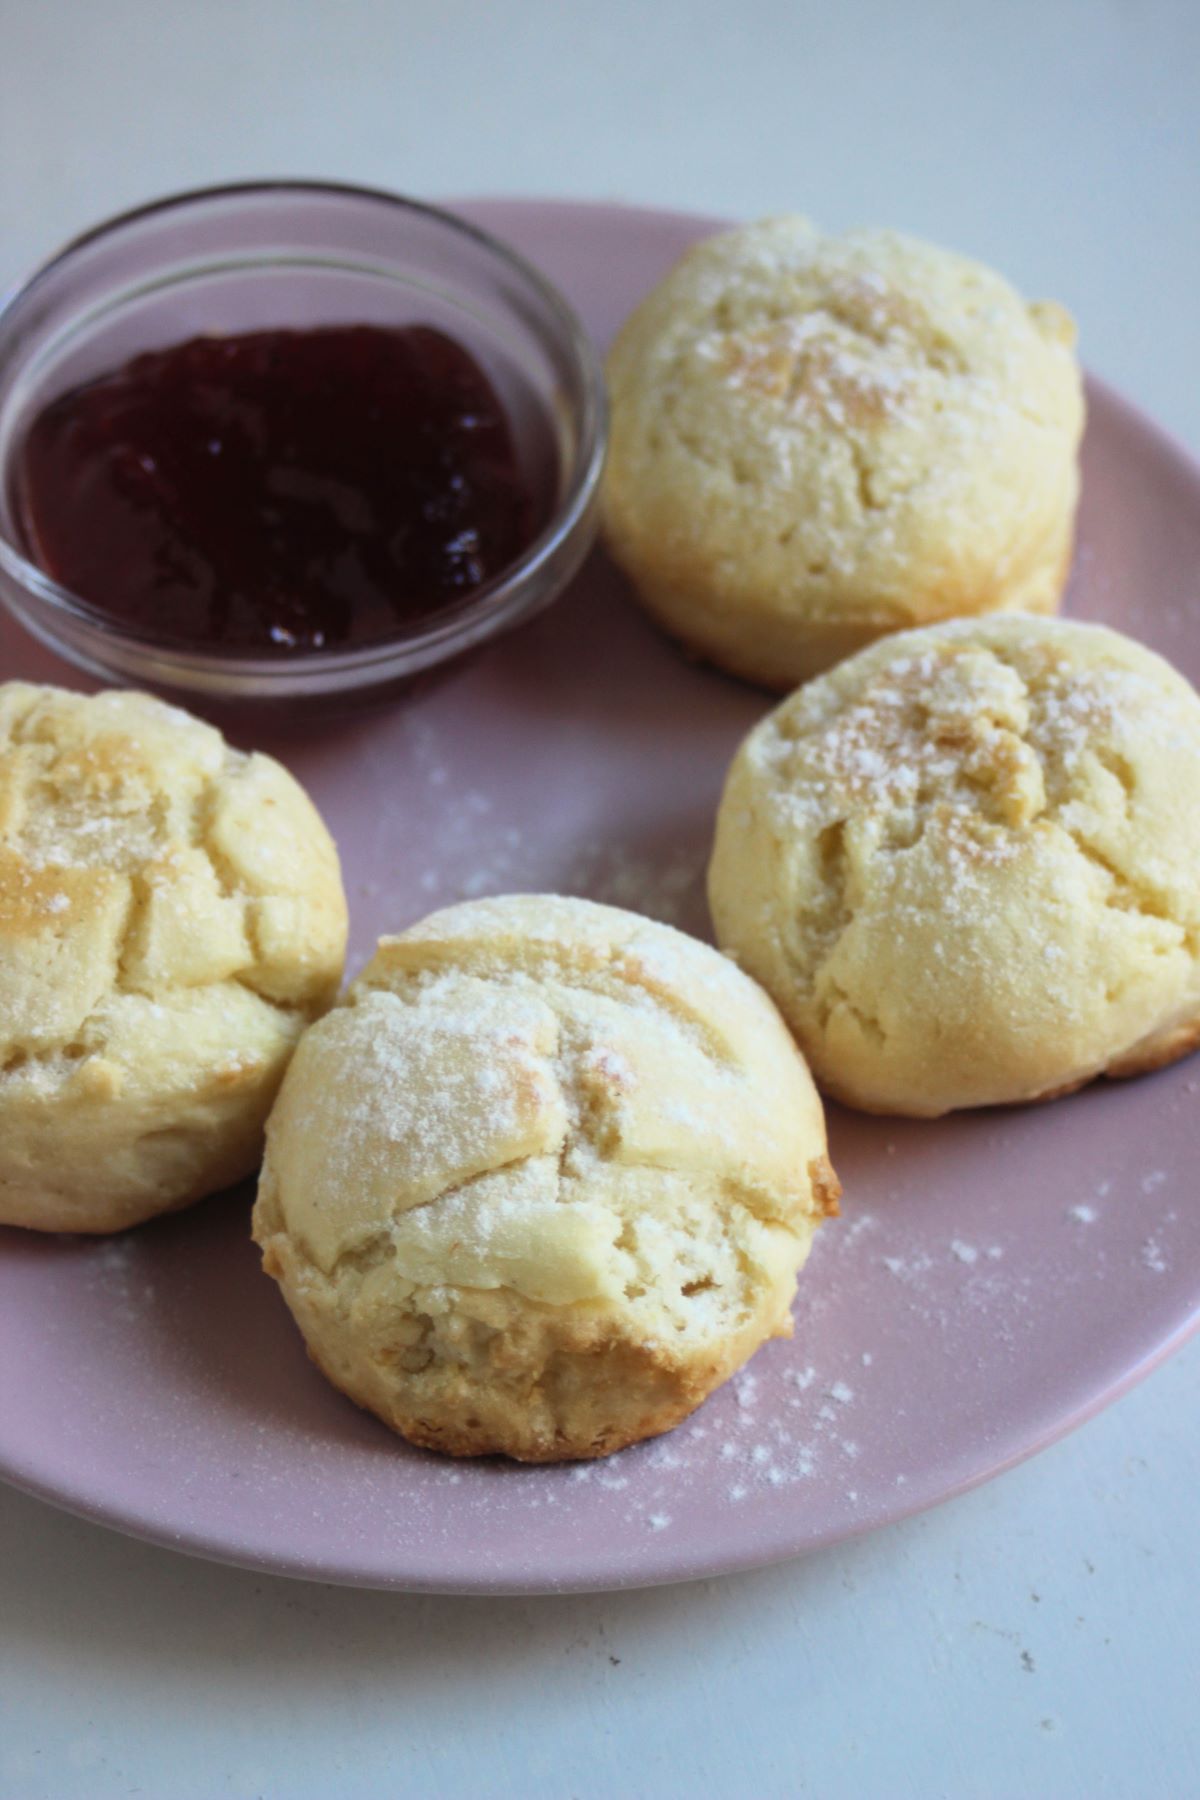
(302, 254)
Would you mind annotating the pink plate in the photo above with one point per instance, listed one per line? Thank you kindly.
(995, 1278)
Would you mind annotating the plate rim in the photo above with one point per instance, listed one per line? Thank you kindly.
(672, 1561)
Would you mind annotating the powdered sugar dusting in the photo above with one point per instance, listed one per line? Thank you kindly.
(993, 752)
(320, 1483)
(119, 1275)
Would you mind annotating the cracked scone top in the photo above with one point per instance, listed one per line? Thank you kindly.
(966, 864)
(544, 1179)
(171, 917)
(816, 440)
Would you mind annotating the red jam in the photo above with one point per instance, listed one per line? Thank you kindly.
(279, 490)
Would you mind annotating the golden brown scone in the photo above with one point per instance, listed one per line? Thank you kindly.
(171, 917)
(816, 440)
(966, 864)
(543, 1181)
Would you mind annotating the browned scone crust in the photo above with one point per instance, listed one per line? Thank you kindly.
(171, 917)
(571, 1412)
(1156, 1051)
(544, 1181)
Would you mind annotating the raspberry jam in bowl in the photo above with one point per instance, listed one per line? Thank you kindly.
(290, 441)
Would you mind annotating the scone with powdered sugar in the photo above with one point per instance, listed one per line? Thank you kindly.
(543, 1181)
(816, 440)
(966, 864)
(171, 918)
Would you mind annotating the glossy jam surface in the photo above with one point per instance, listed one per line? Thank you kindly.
(278, 491)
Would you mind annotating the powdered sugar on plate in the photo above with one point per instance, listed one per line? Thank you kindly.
(595, 755)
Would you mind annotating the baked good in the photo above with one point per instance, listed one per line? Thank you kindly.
(543, 1180)
(171, 917)
(816, 440)
(966, 864)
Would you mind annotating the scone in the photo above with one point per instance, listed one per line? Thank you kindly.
(816, 440)
(543, 1180)
(171, 917)
(966, 864)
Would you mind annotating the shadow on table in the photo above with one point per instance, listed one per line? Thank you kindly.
(73, 1591)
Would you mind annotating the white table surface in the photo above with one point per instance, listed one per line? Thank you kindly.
(1036, 1638)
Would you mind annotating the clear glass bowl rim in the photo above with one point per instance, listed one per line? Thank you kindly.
(486, 610)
